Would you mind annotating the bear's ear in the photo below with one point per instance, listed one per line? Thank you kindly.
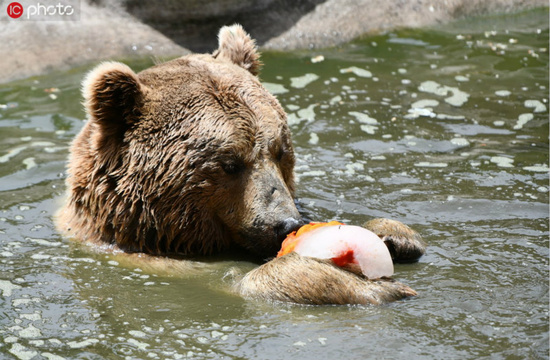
(113, 97)
(238, 47)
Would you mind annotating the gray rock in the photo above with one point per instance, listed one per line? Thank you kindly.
(35, 47)
(195, 23)
(166, 28)
(299, 24)
(338, 21)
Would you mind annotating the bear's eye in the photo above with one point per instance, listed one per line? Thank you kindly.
(282, 152)
(232, 167)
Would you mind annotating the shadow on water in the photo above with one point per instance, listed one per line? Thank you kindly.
(444, 129)
(195, 24)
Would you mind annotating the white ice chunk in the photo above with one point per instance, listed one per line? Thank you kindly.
(363, 118)
(523, 119)
(537, 105)
(334, 242)
(458, 97)
(502, 161)
(301, 82)
(7, 287)
(503, 93)
(357, 71)
(275, 89)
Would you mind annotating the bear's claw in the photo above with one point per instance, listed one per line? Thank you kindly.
(405, 244)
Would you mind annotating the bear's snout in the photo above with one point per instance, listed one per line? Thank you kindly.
(287, 226)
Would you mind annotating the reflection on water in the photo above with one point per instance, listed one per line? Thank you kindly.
(445, 130)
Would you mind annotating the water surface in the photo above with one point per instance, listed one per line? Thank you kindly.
(444, 129)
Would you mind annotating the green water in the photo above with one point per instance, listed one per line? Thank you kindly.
(375, 136)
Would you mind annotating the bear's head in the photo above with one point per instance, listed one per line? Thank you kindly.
(187, 157)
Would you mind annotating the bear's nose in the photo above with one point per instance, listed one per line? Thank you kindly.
(287, 226)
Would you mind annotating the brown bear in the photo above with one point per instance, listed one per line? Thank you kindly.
(189, 157)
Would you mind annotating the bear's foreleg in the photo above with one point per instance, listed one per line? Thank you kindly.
(305, 280)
